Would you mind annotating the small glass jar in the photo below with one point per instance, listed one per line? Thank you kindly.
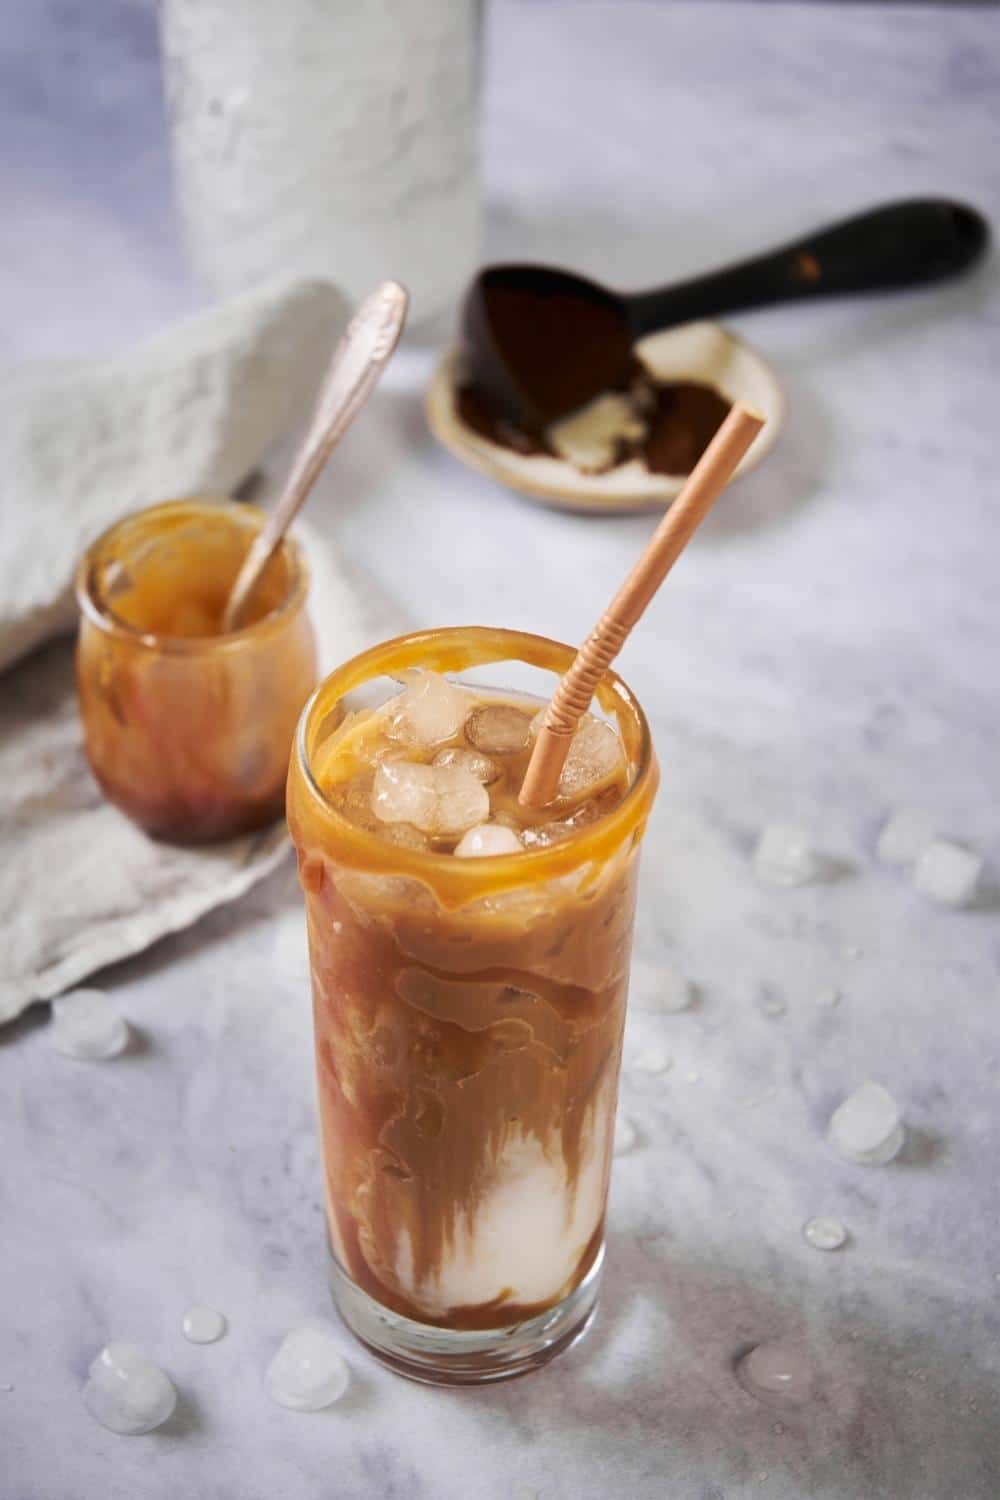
(188, 730)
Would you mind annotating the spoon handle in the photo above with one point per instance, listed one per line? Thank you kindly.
(913, 243)
(357, 364)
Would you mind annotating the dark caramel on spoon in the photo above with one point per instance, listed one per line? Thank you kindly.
(538, 342)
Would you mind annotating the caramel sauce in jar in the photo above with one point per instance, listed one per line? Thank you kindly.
(187, 729)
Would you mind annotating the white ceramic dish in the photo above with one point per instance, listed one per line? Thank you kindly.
(703, 352)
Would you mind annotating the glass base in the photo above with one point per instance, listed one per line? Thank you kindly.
(444, 1356)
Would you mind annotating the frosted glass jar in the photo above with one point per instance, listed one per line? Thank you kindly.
(330, 138)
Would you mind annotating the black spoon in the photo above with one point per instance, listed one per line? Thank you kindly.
(538, 342)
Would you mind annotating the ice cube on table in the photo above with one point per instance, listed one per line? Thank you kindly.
(308, 1372)
(498, 728)
(904, 835)
(488, 839)
(785, 856)
(438, 800)
(947, 873)
(595, 755)
(866, 1128)
(429, 711)
(126, 1392)
(659, 987)
(87, 1026)
(480, 766)
(674, 991)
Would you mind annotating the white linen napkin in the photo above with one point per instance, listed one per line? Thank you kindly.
(80, 445)
(193, 409)
(81, 886)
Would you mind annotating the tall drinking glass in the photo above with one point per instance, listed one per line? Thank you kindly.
(468, 1025)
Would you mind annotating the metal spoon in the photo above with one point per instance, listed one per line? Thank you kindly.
(357, 364)
(538, 342)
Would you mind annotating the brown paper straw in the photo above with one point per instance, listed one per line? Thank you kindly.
(572, 697)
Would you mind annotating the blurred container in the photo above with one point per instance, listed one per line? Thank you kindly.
(331, 138)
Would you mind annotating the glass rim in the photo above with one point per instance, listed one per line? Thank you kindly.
(498, 871)
(180, 645)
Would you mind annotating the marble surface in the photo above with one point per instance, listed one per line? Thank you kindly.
(826, 651)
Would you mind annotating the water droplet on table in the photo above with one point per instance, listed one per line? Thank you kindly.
(203, 1325)
(776, 1372)
(126, 1392)
(948, 873)
(87, 1026)
(824, 1233)
(829, 996)
(308, 1372)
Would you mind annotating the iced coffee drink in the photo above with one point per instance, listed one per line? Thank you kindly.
(470, 967)
(188, 729)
